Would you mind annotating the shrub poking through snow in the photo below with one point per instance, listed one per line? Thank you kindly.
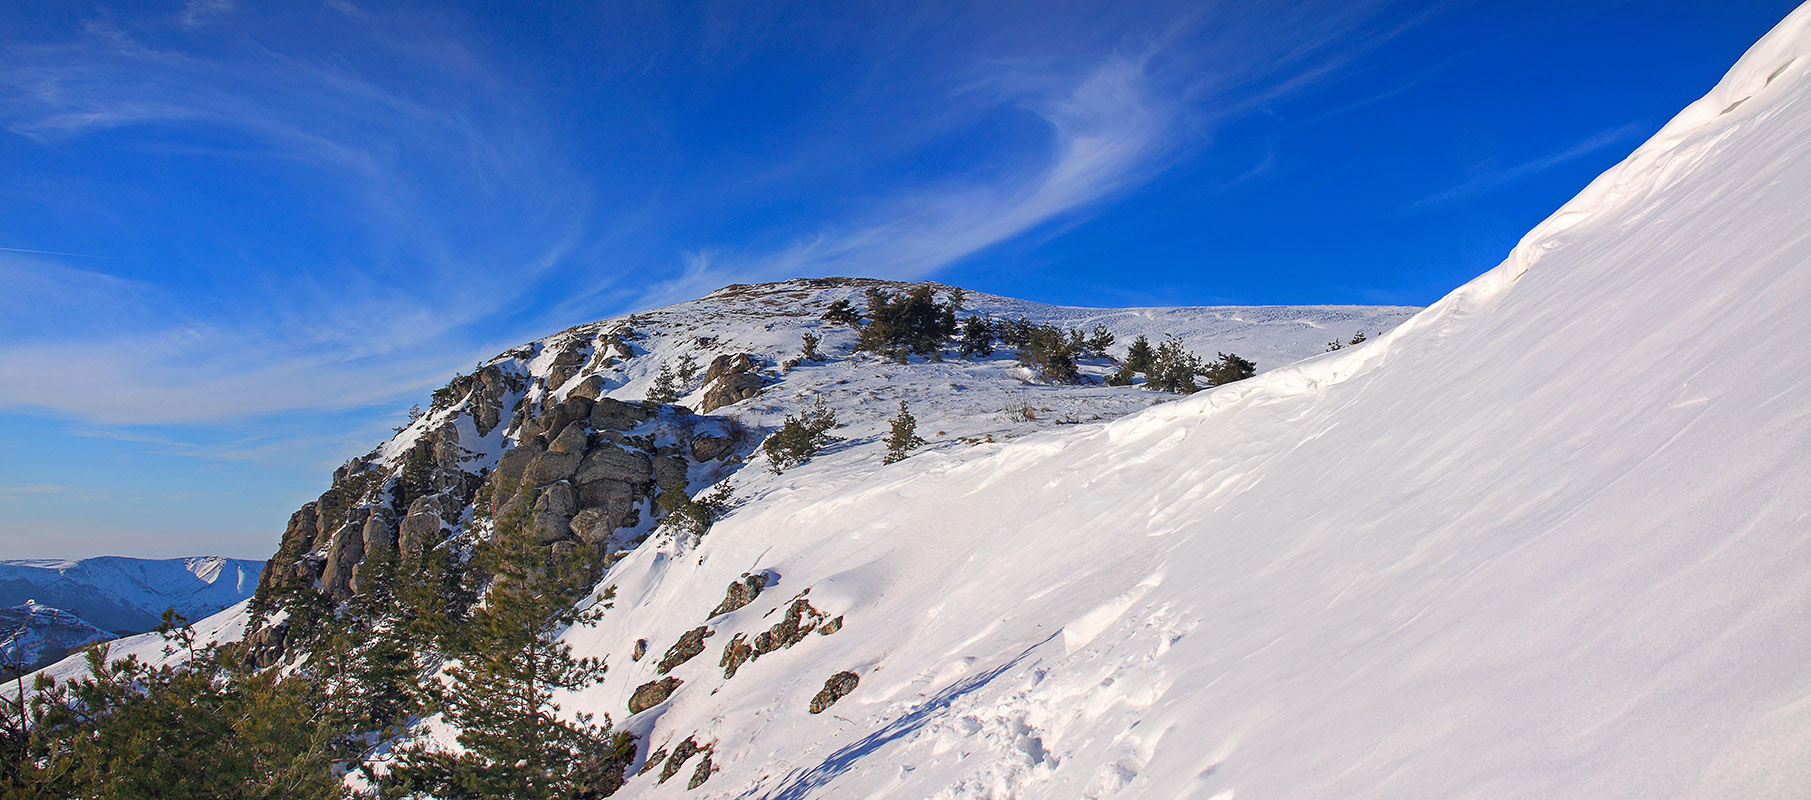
(689, 514)
(1228, 368)
(842, 313)
(903, 437)
(800, 438)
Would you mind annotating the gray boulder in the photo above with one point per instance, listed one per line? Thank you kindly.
(653, 693)
(731, 389)
(609, 463)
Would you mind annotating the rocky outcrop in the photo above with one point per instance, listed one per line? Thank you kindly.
(736, 653)
(688, 647)
(800, 620)
(566, 364)
(652, 693)
(641, 649)
(836, 688)
(730, 379)
(684, 750)
(741, 592)
(703, 772)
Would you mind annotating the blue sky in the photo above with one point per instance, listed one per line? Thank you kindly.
(238, 240)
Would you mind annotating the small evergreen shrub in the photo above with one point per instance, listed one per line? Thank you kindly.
(799, 438)
(903, 438)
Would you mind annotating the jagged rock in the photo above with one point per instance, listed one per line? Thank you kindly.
(616, 499)
(711, 448)
(553, 511)
(379, 531)
(670, 470)
(728, 365)
(688, 647)
(487, 403)
(344, 551)
(448, 455)
(549, 467)
(730, 389)
(681, 752)
(415, 532)
(741, 592)
(702, 773)
(572, 439)
(836, 688)
(800, 620)
(264, 646)
(831, 627)
(609, 463)
(591, 388)
(652, 693)
(654, 760)
(610, 414)
(593, 525)
(565, 365)
(515, 461)
(641, 649)
(568, 411)
(736, 653)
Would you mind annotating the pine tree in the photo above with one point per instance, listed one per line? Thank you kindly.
(1228, 368)
(516, 743)
(811, 341)
(207, 728)
(799, 438)
(665, 388)
(977, 338)
(1173, 369)
(1140, 356)
(688, 369)
(903, 438)
(842, 313)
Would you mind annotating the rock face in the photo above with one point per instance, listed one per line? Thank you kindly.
(730, 379)
(736, 653)
(688, 647)
(740, 593)
(652, 693)
(836, 688)
(800, 620)
(684, 750)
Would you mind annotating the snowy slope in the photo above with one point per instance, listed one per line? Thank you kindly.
(33, 635)
(130, 594)
(1549, 538)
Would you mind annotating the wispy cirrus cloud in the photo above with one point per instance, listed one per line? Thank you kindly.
(1492, 178)
(406, 165)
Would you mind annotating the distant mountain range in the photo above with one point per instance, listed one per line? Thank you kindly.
(129, 595)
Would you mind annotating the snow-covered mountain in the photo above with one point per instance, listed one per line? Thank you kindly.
(1550, 537)
(33, 635)
(129, 595)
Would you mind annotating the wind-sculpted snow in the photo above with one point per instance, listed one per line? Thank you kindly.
(1546, 539)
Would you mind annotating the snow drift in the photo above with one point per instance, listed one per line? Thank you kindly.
(1549, 538)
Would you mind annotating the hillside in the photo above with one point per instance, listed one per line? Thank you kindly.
(33, 636)
(1546, 538)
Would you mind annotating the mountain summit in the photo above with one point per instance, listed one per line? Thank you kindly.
(1545, 538)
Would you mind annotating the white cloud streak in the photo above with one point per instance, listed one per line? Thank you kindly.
(1491, 179)
(324, 336)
